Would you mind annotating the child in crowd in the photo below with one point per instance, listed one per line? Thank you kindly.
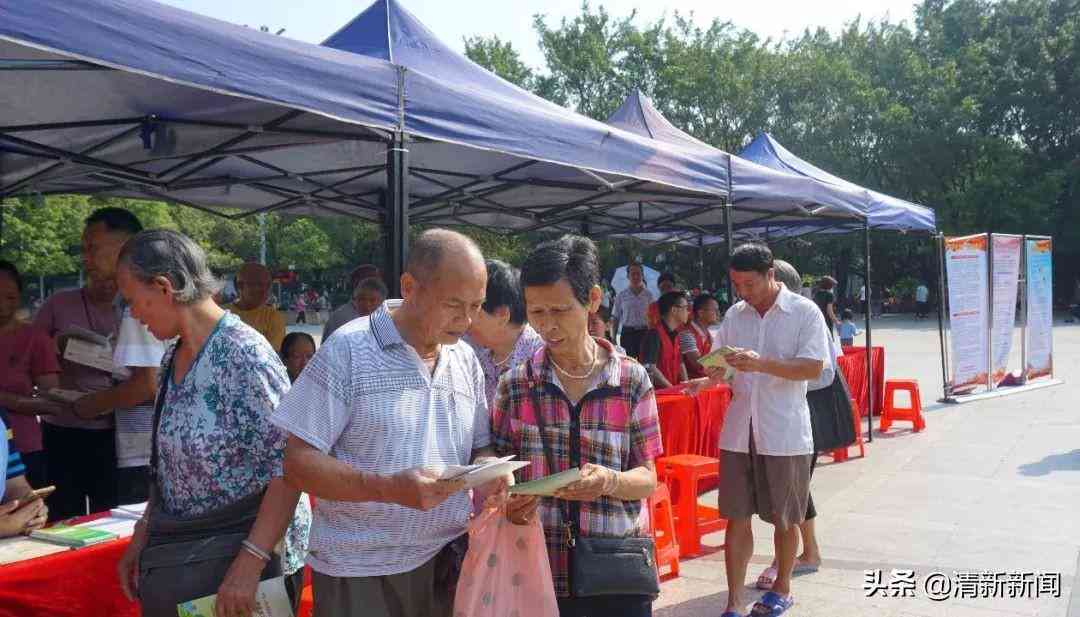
(848, 331)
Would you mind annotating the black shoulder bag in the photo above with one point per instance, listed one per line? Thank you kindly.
(598, 566)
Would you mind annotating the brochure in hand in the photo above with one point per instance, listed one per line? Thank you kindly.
(271, 600)
(715, 360)
(547, 485)
(482, 473)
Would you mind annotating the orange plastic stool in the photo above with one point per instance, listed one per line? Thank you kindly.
(840, 455)
(692, 520)
(662, 519)
(892, 413)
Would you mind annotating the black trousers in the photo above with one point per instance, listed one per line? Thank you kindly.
(36, 474)
(631, 339)
(82, 465)
(606, 606)
(132, 485)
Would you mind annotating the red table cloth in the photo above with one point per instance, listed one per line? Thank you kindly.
(77, 583)
(853, 364)
(691, 424)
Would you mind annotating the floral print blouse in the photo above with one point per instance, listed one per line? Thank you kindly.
(216, 445)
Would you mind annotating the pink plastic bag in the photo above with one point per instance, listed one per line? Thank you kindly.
(506, 571)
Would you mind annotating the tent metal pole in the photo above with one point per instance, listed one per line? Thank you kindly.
(869, 338)
(939, 240)
(701, 262)
(396, 228)
(730, 250)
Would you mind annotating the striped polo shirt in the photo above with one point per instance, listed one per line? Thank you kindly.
(367, 399)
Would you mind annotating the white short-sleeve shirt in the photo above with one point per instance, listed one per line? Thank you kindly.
(775, 407)
(367, 399)
(135, 347)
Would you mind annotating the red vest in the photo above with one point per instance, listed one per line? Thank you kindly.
(670, 361)
(704, 345)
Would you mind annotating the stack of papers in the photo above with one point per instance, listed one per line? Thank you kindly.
(481, 473)
(133, 511)
(86, 347)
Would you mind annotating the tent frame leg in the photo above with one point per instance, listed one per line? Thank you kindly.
(869, 335)
(396, 224)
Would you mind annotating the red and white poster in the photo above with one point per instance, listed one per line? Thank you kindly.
(1005, 275)
(966, 269)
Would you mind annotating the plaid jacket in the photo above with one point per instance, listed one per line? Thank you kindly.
(619, 430)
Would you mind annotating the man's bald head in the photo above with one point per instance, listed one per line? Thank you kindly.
(443, 287)
(253, 282)
(437, 249)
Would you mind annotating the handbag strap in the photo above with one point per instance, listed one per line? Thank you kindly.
(159, 404)
(571, 510)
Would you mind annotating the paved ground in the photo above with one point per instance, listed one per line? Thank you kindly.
(992, 485)
(989, 486)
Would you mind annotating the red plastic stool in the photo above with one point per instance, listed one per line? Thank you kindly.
(840, 455)
(892, 413)
(662, 519)
(684, 473)
(307, 603)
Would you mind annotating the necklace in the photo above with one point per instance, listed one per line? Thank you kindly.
(513, 348)
(592, 366)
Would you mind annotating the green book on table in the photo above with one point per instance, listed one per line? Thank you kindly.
(67, 535)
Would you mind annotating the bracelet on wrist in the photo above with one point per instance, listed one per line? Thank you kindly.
(250, 547)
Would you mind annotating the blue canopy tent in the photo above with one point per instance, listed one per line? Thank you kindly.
(387, 31)
(762, 173)
(132, 98)
(757, 195)
(884, 211)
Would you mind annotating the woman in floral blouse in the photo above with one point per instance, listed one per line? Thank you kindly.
(215, 447)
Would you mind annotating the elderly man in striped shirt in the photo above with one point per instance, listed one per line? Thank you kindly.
(386, 399)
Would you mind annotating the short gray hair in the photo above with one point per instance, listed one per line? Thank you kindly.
(788, 275)
(373, 284)
(167, 253)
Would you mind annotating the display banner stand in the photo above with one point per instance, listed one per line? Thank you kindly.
(977, 313)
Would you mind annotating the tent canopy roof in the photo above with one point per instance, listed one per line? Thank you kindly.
(884, 211)
(759, 195)
(134, 98)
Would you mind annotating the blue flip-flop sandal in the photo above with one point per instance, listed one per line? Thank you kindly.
(771, 604)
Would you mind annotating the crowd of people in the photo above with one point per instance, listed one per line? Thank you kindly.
(229, 428)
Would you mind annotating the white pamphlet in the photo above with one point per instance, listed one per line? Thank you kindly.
(481, 473)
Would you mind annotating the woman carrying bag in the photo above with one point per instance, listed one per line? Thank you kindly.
(218, 505)
(578, 403)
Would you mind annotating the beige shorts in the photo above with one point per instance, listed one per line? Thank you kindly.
(776, 488)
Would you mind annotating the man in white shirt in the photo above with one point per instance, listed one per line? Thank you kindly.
(766, 442)
(631, 311)
(922, 296)
(385, 401)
